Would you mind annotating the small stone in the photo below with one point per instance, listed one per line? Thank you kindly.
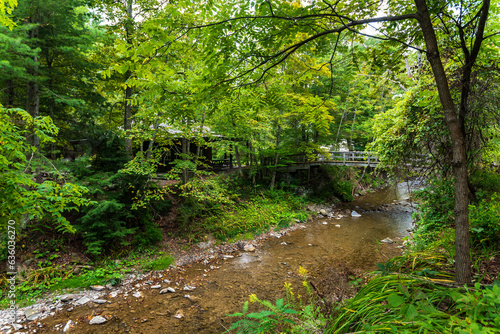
(249, 248)
(82, 301)
(337, 225)
(387, 241)
(179, 314)
(17, 327)
(187, 296)
(355, 214)
(309, 244)
(323, 212)
(113, 294)
(137, 294)
(188, 288)
(167, 290)
(97, 287)
(227, 256)
(67, 327)
(97, 320)
(166, 281)
(325, 223)
(99, 301)
(156, 286)
(284, 243)
(67, 298)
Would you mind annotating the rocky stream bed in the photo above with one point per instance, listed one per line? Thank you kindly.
(209, 282)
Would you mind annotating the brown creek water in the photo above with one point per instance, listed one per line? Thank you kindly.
(223, 285)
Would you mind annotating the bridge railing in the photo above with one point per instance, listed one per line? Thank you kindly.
(353, 156)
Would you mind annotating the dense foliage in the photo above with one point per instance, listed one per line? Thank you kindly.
(98, 97)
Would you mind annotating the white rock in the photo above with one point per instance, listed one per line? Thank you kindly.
(67, 298)
(249, 248)
(323, 212)
(17, 327)
(166, 281)
(284, 243)
(156, 286)
(188, 288)
(98, 287)
(227, 256)
(355, 214)
(179, 314)
(82, 301)
(337, 225)
(387, 241)
(167, 290)
(97, 320)
(67, 327)
(325, 223)
(137, 294)
(99, 301)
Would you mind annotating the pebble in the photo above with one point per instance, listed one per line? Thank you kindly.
(355, 214)
(156, 286)
(387, 241)
(67, 326)
(337, 225)
(98, 287)
(179, 314)
(82, 301)
(99, 301)
(227, 256)
(325, 223)
(249, 248)
(188, 288)
(97, 320)
(169, 289)
(137, 294)
(67, 298)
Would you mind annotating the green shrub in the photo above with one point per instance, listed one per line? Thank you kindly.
(113, 221)
(335, 181)
(159, 263)
(484, 218)
(103, 226)
(435, 211)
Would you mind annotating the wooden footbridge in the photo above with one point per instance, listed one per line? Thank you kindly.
(337, 158)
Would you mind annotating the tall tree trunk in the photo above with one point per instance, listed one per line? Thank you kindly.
(127, 115)
(52, 106)
(11, 93)
(462, 241)
(185, 156)
(276, 157)
(127, 121)
(152, 141)
(198, 147)
(33, 92)
(238, 161)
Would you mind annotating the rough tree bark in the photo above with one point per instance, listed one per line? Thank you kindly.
(127, 115)
(454, 123)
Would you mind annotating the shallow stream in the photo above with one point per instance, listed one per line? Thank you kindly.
(223, 285)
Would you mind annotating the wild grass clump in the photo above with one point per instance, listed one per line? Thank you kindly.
(160, 263)
(226, 207)
(408, 304)
(292, 314)
(257, 215)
